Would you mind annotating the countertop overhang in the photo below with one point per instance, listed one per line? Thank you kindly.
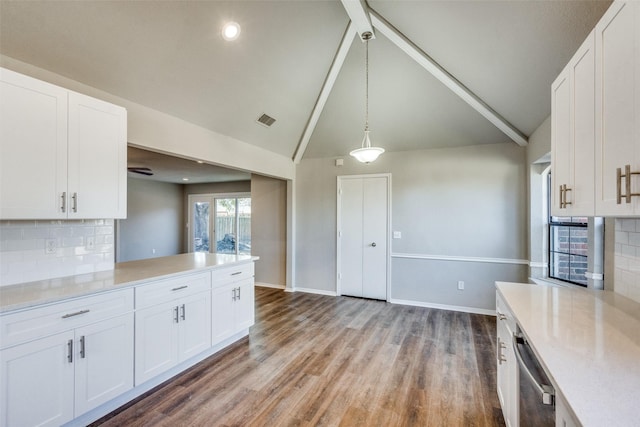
(589, 343)
(124, 274)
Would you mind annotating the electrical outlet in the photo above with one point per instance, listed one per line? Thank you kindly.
(153, 251)
(91, 243)
(460, 285)
(397, 234)
(50, 246)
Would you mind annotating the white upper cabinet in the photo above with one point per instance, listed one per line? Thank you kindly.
(573, 135)
(617, 42)
(33, 147)
(62, 154)
(97, 173)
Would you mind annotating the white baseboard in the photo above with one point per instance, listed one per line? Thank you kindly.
(269, 285)
(314, 291)
(463, 309)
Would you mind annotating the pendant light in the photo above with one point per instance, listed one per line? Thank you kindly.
(367, 153)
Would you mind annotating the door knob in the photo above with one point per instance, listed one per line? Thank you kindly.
(373, 244)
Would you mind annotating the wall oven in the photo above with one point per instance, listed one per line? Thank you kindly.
(536, 394)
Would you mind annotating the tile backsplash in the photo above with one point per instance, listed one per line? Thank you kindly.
(38, 250)
(627, 258)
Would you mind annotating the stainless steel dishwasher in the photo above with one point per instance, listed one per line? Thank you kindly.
(536, 399)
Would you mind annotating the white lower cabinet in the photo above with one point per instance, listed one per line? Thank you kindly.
(564, 415)
(232, 309)
(51, 380)
(171, 332)
(507, 369)
(37, 382)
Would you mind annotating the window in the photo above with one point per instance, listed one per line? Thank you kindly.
(568, 246)
(226, 217)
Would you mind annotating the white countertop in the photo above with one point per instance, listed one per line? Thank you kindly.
(589, 343)
(25, 295)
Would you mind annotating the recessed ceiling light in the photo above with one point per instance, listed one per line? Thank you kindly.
(230, 31)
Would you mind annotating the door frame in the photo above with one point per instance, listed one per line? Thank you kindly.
(339, 181)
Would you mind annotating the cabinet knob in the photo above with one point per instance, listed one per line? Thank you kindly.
(374, 244)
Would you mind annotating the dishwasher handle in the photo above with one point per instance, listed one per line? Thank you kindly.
(546, 391)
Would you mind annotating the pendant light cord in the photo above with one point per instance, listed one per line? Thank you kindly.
(366, 85)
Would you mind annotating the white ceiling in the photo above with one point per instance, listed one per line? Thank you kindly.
(174, 170)
(169, 55)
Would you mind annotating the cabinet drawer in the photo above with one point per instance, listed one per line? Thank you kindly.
(162, 291)
(503, 314)
(51, 319)
(226, 275)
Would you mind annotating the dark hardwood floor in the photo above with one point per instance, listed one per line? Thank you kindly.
(318, 360)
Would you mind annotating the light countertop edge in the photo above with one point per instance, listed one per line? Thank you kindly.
(589, 343)
(124, 275)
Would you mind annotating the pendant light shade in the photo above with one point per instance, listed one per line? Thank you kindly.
(366, 153)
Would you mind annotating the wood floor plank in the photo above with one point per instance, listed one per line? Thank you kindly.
(313, 360)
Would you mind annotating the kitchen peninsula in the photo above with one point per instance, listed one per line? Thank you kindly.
(105, 338)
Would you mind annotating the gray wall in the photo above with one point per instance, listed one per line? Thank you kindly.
(269, 229)
(459, 202)
(154, 221)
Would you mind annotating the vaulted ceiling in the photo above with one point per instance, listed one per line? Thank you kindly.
(169, 55)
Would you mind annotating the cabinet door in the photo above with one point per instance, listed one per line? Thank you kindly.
(582, 69)
(156, 343)
(195, 325)
(561, 152)
(244, 305)
(573, 135)
(104, 362)
(36, 387)
(97, 158)
(617, 121)
(222, 312)
(506, 381)
(33, 148)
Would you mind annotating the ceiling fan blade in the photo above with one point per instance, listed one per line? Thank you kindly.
(141, 171)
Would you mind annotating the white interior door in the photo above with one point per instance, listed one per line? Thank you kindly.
(363, 228)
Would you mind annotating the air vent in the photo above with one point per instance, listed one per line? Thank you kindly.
(266, 120)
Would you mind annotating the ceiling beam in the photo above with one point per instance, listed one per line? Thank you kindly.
(334, 70)
(446, 78)
(358, 12)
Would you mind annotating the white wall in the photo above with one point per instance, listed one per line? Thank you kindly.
(154, 226)
(539, 147)
(269, 229)
(460, 202)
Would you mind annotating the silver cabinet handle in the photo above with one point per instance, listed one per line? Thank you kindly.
(70, 351)
(63, 208)
(501, 316)
(236, 273)
(233, 298)
(75, 202)
(82, 347)
(184, 312)
(238, 292)
(176, 317)
(77, 313)
(546, 391)
(180, 287)
(501, 346)
(374, 244)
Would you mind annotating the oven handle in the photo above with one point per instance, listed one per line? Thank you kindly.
(546, 391)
